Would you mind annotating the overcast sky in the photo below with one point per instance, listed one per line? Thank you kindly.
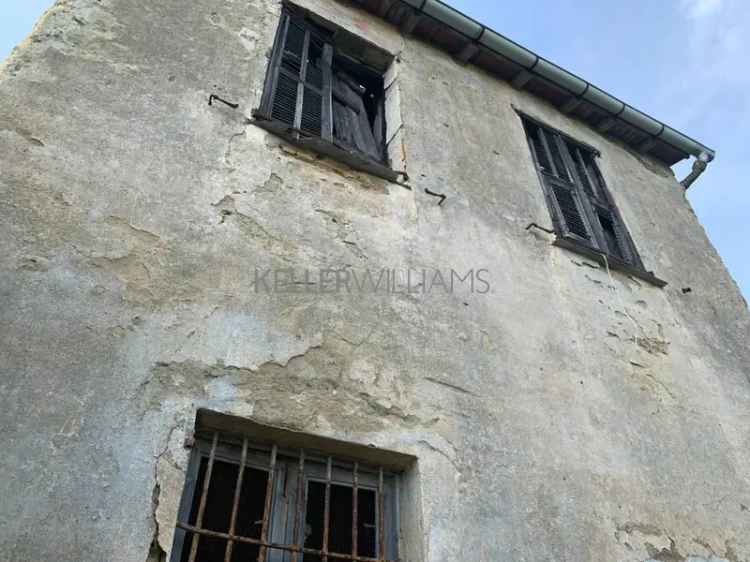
(682, 61)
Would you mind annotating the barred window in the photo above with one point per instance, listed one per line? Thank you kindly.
(245, 501)
(583, 212)
(321, 93)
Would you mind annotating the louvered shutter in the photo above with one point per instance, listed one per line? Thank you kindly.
(609, 228)
(579, 161)
(534, 134)
(570, 210)
(566, 203)
(284, 103)
(553, 144)
(301, 89)
(582, 207)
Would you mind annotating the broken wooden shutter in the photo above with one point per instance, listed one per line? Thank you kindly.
(615, 239)
(351, 124)
(608, 231)
(300, 93)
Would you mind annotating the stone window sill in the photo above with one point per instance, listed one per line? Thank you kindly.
(349, 157)
(611, 262)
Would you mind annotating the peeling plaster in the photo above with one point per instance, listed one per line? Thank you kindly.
(134, 216)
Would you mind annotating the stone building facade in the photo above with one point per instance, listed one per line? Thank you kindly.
(171, 268)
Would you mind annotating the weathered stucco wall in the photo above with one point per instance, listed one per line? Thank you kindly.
(566, 415)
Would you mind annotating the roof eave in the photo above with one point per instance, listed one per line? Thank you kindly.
(472, 42)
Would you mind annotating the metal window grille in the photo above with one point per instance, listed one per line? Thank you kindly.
(582, 208)
(266, 504)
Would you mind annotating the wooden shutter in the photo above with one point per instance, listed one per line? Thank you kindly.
(301, 69)
(555, 148)
(613, 238)
(579, 160)
(568, 210)
(581, 205)
(289, 60)
(534, 134)
(608, 231)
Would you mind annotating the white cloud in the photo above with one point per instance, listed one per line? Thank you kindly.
(701, 8)
(707, 76)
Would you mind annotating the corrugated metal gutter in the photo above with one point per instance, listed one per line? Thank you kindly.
(576, 86)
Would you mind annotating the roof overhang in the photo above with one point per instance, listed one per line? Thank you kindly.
(472, 42)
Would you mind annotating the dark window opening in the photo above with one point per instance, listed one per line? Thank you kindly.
(369, 82)
(284, 507)
(218, 510)
(583, 212)
(319, 94)
(341, 517)
(610, 234)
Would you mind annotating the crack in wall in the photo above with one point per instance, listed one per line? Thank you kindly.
(662, 547)
(157, 551)
(295, 391)
(450, 386)
(344, 232)
(141, 235)
(443, 454)
(252, 228)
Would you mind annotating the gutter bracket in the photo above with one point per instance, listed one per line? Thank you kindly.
(699, 166)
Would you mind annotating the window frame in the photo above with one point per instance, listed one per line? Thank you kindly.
(590, 204)
(284, 465)
(324, 144)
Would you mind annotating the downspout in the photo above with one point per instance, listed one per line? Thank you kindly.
(699, 166)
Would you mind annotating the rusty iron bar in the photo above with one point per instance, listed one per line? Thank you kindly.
(277, 546)
(327, 509)
(267, 508)
(236, 502)
(204, 497)
(298, 501)
(381, 516)
(396, 510)
(355, 513)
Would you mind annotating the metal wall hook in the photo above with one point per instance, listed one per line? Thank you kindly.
(442, 197)
(213, 97)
